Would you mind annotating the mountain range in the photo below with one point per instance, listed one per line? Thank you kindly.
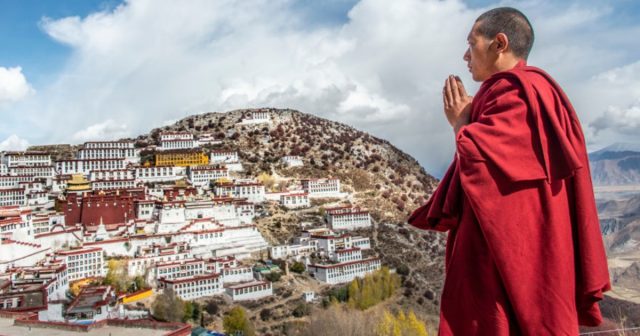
(615, 165)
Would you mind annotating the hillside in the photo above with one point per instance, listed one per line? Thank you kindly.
(620, 225)
(381, 178)
(369, 166)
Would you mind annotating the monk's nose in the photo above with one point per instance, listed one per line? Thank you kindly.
(467, 56)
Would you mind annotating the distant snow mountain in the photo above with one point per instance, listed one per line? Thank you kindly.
(618, 164)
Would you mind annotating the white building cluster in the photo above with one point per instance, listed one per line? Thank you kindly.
(195, 278)
(185, 226)
(338, 257)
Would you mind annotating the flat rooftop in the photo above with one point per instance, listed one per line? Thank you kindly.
(8, 329)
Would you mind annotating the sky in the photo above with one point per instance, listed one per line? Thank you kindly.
(79, 70)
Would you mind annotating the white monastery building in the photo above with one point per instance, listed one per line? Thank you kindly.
(257, 117)
(295, 200)
(292, 161)
(322, 187)
(158, 173)
(177, 140)
(348, 219)
(13, 197)
(221, 156)
(11, 182)
(194, 287)
(66, 167)
(109, 150)
(83, 263)
(35, 171)
(201, 176)
(249, 291)
(28, 158)
(344, 272)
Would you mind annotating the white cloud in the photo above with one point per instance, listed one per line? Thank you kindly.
(14, 143)
(146, 62)
(610, 105)
(107, 130)
(617, 119)
(13, 85)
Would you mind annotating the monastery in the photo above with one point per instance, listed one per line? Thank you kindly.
(185, 220)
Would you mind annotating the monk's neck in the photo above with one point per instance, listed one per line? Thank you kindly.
(508, 63)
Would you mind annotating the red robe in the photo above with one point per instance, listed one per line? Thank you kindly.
(524, 253)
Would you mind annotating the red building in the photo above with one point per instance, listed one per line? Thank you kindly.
(111, 207)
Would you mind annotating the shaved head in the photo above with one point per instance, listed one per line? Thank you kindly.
(510, 22)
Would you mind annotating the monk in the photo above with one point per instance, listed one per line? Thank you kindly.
(524, 252)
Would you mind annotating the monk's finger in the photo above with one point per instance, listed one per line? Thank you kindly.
(448, 91)
(445, 102)
(454, 88)
(461, 90)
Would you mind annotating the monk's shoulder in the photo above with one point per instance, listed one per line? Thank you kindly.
(504, 85)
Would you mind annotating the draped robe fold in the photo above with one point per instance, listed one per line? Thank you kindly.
(524, 253)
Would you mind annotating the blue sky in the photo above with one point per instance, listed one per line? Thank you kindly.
(78, 70)
(26, 45)
(41, 57)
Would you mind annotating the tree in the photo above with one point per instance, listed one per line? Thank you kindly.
(236, 321)
(188, 311)
(403, 269)
(354, 293)
(387, 325)
(301, 310)
(400, 325)
(372, 289)
(340, 294)
(297, 267)
(116, 275)
(168, 307)
(273, 276)
(267, 180)
(212, 308)
(322, 212)
(265, 314)
(140, 282)
(416, 325)
(197, 312)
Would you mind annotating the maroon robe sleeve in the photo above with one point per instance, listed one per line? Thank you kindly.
(441, 212)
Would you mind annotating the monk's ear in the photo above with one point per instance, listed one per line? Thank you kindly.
(501, 42)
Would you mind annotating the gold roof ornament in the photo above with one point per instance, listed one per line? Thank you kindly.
(78, 183)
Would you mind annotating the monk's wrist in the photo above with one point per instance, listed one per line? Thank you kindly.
(458, 125)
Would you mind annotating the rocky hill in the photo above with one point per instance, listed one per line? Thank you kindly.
(383, 178)
(620, 223)
(380, 177)
(618, 164)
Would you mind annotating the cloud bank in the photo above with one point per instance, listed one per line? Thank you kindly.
(381, 70)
